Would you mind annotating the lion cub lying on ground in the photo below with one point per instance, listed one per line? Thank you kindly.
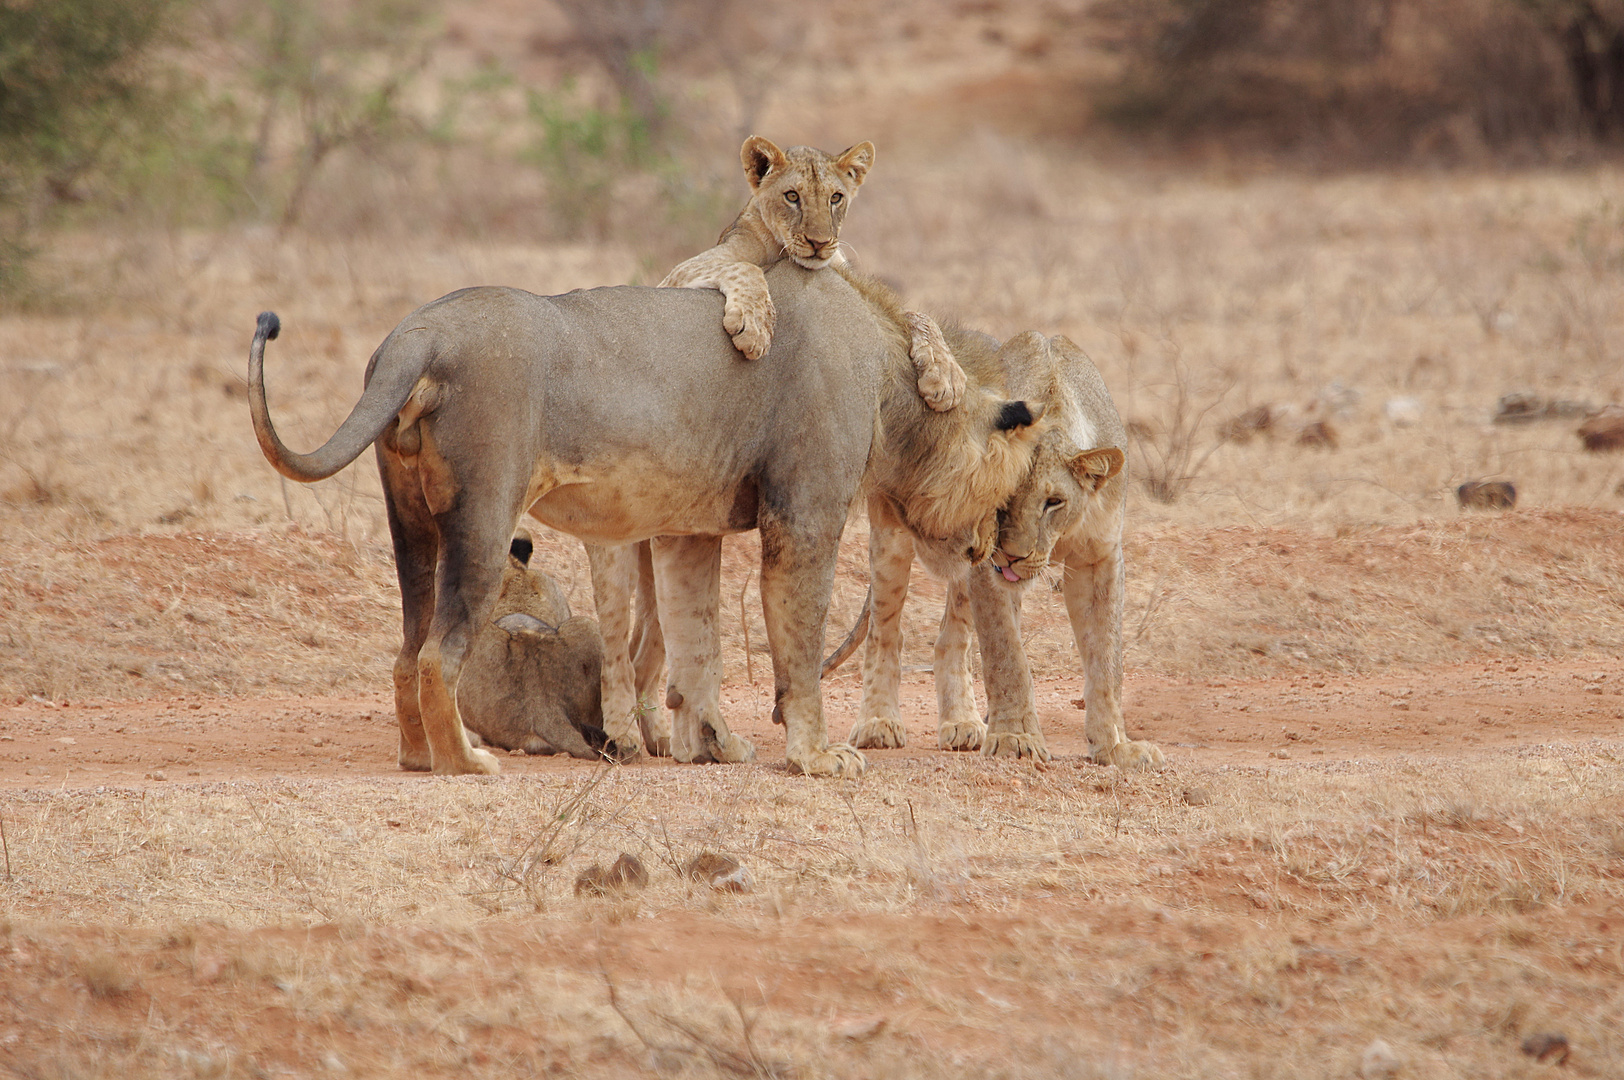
(798, 201)
(532, 678)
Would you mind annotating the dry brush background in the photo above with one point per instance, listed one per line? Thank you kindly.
(1245, 916)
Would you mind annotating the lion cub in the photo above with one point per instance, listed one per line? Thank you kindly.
(797, 203)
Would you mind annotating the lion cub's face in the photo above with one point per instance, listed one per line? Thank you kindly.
(1062, 487)
(801, 195)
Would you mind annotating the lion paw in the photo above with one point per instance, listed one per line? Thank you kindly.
(878, 733)
(961, 734)
(941, 379)
(730, 748)
(750, 324)
(1016, 744)
(415, 759)
(839, 760)
(1129, 755)
(477, 763)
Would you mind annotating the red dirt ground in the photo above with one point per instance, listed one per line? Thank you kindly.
(1451, 709)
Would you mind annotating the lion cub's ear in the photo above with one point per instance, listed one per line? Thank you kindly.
(761, 158)
(1093, 468)
(856, 162)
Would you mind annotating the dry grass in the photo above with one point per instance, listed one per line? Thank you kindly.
(122, 413)
(946, 912)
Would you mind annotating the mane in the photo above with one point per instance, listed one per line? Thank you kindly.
(952, 468)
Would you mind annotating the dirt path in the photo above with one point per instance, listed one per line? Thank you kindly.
(1443, 711)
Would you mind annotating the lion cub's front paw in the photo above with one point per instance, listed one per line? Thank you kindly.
(961, 734)
(1016, 744)
(941, 379)
(878, 733)
(750, 322)
(839, 760)
(1129, 755)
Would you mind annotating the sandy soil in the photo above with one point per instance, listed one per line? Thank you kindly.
(1444, 712)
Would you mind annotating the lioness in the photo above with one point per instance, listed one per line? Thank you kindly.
(489, 402)
(798, 200)
(1068, 508)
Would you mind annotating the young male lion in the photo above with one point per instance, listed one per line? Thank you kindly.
(797, 203)
(1066, 512)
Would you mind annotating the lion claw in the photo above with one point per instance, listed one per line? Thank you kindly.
(1129, 755)
(1016, 744)
(961, 735)
(878, 732)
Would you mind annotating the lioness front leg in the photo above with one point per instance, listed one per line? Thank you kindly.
(941, 379)
(958, 726)
(614, 581)
(687, 582)
(748, 314)
(797, 576)
(1094, 591)
(1012, 718)
(890, 557)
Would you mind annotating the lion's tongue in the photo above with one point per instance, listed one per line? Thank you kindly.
(1009, 575)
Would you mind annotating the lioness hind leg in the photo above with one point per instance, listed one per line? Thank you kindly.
(467, 579)
(958, 726)
(890, 557)
(941, 379)
(1094, 593)
(417, 546)
(614, 582)
(687, 581)
(648, 659)
(1012, 719)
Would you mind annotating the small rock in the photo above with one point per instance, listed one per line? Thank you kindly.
(1547, 1046)
(1486, 495)
(720, 872)
(1280, 753)
(1258, 420)
(1604, 431)
(861, 1028)
(157, 774)
(1518, 408)
(1317, 433)
(1194, 796)
(627, 873)
(1402, 411)
(1379, 1062)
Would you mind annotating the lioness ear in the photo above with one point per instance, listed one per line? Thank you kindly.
(856, 162)
(761, 158)
(1093, 468)
(1018, 414)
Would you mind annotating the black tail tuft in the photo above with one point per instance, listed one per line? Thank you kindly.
(269, 326)
(1013, 415)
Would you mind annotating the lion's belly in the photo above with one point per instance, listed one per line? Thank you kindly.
(626, 508)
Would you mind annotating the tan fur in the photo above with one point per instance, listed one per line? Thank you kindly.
(491, 402)
(798, 202)
(1067, 509)
(532, 677)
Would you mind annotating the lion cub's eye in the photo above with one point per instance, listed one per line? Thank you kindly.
(792, 196)
(834, 200)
